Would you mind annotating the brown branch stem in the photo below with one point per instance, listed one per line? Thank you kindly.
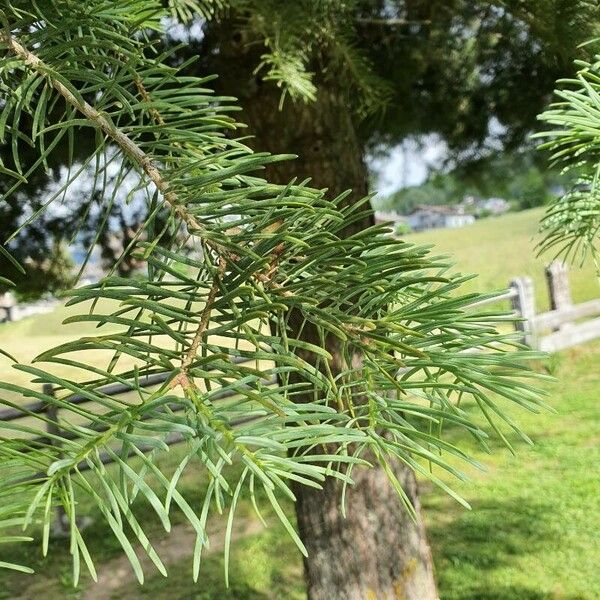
(204, 319)
(149, 167)
(127, 145)
(143, 92)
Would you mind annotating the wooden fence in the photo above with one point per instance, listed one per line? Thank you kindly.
(114, 389)
(565, 324)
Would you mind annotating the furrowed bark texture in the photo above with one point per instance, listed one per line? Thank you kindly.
(377, 551)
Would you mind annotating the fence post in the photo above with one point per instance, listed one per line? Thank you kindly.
(559, 289)
(524, 305)
(61, 523)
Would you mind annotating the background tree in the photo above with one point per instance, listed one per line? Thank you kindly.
(435, 67)
(474, 73)
(277, 260)
(523, 178)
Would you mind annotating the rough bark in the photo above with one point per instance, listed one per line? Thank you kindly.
(377, 551)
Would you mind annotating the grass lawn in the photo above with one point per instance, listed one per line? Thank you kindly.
(500, 248)
(27, 338)
(533, 532)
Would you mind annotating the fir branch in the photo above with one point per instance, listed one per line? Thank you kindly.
(271, 254)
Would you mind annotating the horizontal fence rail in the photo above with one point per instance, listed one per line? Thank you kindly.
(509, 294)
(558, 318)
(573, 336)
(565, 324)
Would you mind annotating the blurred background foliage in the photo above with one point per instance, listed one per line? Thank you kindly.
(522, 178)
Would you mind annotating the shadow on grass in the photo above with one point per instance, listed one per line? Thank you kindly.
(491, 535)
(470, 546)
(510, 592)
(263, 566)
(207, 589)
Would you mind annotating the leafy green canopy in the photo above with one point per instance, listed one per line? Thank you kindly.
(407, 68)
(572, 222)
(411, 348)
(403, 68)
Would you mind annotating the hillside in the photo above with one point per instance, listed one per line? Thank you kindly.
(500, 248)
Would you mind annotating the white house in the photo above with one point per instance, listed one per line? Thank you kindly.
(432, 217)
(494, 206)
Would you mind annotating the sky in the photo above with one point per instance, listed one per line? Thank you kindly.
(407, 164)
(410, 163)
(404, 165)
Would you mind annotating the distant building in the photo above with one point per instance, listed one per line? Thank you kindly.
(433, 217)
(493, 206)
(7, 305)
(11, 310)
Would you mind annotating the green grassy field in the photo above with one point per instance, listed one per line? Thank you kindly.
(27, 338)
(533, 531)
(500, 248)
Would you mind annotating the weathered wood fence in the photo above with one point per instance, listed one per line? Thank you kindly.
(50, 410)
(55, 433)
(565, 324)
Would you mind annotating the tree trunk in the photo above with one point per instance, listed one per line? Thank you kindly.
(377, 551)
